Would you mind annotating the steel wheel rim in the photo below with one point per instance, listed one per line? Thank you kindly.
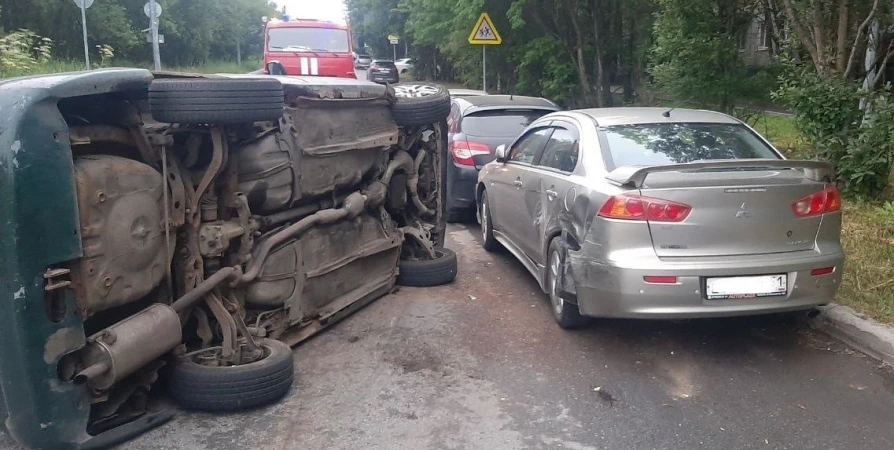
(554, 298)
(415, 90)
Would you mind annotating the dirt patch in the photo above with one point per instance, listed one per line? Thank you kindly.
(419, 360)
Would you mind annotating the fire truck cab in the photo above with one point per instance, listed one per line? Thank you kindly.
(308, 47)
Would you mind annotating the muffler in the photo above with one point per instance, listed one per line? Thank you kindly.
(119, 350)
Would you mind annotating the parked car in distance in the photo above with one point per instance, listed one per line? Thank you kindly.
(382, 71)
(476, 126)
(404, 65)
(362, 60)
(649, 213)
(455, 93)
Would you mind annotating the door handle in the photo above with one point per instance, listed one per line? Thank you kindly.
(518, 183)
(551, 194)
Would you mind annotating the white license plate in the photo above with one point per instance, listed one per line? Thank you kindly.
(746, 287)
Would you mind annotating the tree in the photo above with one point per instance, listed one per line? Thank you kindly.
(195, 30)
(696, 57)
(834, 32)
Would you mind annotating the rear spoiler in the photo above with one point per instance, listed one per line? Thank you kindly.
(635, 176)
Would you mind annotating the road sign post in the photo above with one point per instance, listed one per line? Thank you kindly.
(84, 4)
(394, 40)
(484, 33)
(153, 10)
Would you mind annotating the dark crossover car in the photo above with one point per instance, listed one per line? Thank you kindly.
(382, 71)
(168, 236)
(476, 126)
(649, 213)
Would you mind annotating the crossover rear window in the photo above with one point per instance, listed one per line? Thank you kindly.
(674, 143)
(501, 122)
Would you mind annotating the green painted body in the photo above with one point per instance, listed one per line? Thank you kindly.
(39, 229)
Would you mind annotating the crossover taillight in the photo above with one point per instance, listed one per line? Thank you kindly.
(637, 207)
(825, 201)
(463, 151)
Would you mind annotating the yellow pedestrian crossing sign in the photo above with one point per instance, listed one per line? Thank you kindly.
(484, 32)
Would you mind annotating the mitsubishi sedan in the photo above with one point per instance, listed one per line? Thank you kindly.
(655, 213)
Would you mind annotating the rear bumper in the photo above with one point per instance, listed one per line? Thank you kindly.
(461, 182)
(383, 78)
(617, 289)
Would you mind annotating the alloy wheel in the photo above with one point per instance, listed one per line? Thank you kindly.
(415, 90)
(554, 266)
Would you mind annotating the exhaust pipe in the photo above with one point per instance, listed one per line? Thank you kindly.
(91, 373)
(813, 313)
(123, 348)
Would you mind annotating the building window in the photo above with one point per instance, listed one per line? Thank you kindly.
(763, 36)
(742, 40)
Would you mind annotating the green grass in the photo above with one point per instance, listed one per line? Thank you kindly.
(784, 135)
(868, 240)
(867, 233)
(57, 66)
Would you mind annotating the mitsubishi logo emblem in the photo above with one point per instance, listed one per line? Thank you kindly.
(743, 211)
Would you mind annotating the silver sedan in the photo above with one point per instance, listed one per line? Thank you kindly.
(650, 213)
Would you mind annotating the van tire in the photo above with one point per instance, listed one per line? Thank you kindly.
(419, 104)
(216, 100)
(234, 388)
(433, 272)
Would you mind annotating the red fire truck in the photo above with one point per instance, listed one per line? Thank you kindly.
(308, 47)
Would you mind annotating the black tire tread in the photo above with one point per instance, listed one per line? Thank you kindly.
(489, 242)
(215, 85)
(571, 317)
(241, 401)
(216, 101)
(237, 387)
(412, 111)
(434, 272)
(219, 395)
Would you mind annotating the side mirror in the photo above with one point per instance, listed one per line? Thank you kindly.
(275, 68)
(500, 153)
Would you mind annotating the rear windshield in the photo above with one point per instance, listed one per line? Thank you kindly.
(388, 64)
(674, 143)
(308, 40)
(503, 122)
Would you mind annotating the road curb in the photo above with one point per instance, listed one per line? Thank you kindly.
(857, 330)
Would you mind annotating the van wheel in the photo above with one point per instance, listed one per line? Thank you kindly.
(567, 314)
(233, 388)
(433, 272)
(419, 104)
(216, 100)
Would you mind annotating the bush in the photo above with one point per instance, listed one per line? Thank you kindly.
(860, 142)
(22, 50)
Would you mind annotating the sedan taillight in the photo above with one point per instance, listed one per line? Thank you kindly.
(637, 207)
(826, 201)
(463, 151)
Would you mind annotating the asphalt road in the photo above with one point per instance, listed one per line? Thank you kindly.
(479, 364)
